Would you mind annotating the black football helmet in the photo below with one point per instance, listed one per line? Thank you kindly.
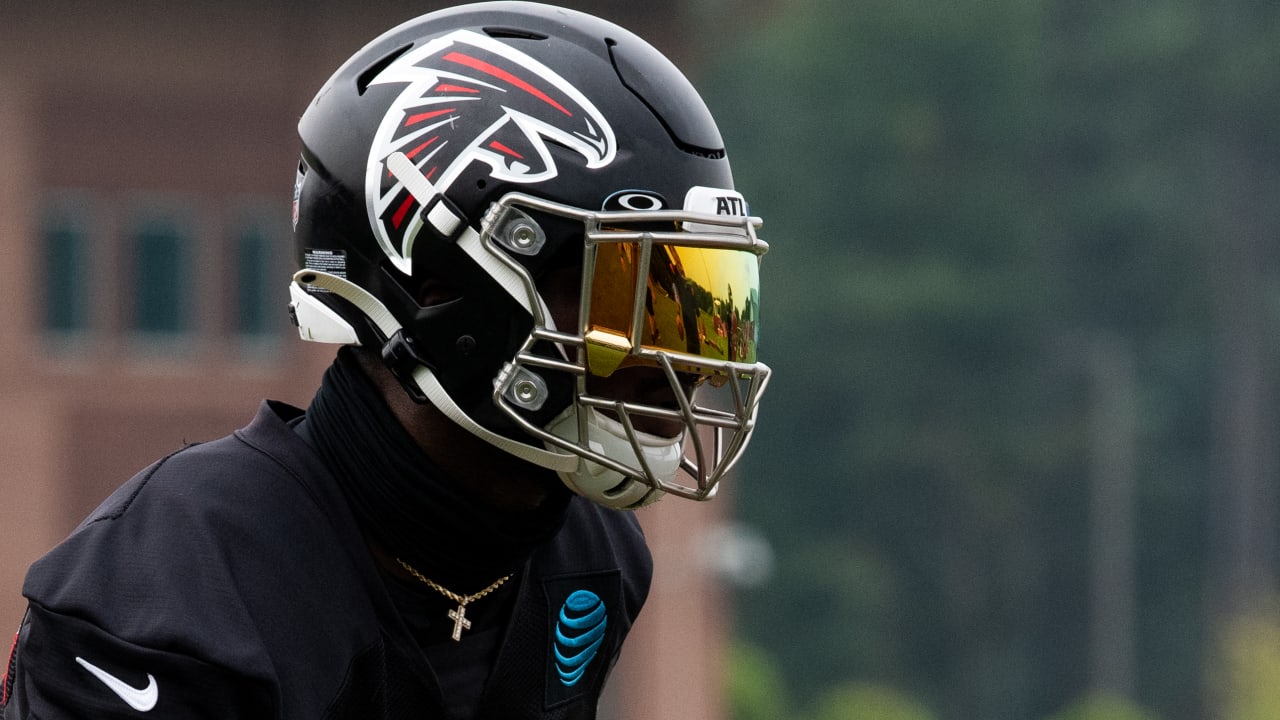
(514, 202)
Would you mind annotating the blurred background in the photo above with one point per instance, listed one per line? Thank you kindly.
(1018, 459)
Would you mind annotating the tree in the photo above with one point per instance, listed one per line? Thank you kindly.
(965, 201)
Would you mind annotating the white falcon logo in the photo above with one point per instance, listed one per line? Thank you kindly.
(470, 98)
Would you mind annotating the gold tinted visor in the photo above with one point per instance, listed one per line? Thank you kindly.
(701, 302)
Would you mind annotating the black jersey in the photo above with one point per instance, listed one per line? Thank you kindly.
(229, 580)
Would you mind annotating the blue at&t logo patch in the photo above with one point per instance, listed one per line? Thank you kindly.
(579, 633)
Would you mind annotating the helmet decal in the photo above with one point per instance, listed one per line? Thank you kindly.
(470, 98)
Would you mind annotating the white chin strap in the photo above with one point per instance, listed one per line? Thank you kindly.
(608, 437)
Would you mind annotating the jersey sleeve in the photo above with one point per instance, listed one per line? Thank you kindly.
(67, 667)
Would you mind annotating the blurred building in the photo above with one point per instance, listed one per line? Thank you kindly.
(146, 162)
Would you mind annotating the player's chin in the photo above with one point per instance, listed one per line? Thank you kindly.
(657, 416)
(646, 388)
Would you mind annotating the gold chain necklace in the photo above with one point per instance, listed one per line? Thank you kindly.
(459, 616)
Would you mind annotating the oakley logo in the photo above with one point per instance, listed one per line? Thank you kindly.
(468, 98)
(140, 699)
(635, 200)
(579, 633)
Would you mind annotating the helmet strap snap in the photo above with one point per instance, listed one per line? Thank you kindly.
(402, 359)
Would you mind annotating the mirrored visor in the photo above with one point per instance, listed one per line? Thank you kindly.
(698, 301)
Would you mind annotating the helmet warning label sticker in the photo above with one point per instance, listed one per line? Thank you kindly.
(333, 262)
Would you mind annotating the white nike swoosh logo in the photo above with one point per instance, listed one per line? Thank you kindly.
(140, 699)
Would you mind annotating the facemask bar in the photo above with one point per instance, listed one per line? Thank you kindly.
(729, 428)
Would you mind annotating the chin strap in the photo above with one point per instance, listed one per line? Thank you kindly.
(435, 392)
(306, 309)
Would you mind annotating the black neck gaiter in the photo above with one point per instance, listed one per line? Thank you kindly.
(404, 502)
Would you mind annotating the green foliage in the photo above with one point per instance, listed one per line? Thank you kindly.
(1103, 707)
(962, 198)
(865, 701)
(1249, 672)
(754, 688)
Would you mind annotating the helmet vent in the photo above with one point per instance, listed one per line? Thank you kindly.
(366, 78)
(514, 33)
(669, 96)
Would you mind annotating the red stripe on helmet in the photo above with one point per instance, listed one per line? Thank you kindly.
(501, 74)
(415, 119)
(503, 148)
(401, 212)
(413, 153)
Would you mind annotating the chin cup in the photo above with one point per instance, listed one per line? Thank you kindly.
(608, 437)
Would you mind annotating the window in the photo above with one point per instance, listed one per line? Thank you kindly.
(258, 238)
(251, 282)
(65, 242)
(154, 273)
(160, 243)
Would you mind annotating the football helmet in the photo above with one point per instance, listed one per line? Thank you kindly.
(518, 204)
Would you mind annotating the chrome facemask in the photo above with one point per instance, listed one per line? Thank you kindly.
(673, 291)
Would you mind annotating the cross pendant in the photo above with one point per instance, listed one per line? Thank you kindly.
(460, 621)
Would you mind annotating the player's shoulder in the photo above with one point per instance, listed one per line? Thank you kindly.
(199, 520)
(260, 464)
